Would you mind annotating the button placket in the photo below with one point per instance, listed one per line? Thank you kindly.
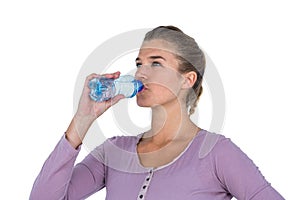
(145, 186)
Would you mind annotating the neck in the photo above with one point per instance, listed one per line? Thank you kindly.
(170, 122)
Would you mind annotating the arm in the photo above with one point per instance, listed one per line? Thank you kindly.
(59, 179)
(239, 175)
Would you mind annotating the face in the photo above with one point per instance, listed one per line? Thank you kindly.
(157, 68)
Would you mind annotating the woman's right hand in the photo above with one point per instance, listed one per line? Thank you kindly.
(88, 111)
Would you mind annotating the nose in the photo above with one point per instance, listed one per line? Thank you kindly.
(141, 73)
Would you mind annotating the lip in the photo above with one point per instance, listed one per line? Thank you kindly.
(145, 87)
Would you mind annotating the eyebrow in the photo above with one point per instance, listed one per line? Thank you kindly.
(152, 57)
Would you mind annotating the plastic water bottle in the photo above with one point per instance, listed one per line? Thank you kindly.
(103, 88)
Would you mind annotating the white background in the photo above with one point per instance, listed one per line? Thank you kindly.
(254, 45)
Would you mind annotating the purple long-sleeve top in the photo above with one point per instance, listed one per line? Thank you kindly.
(210, 168)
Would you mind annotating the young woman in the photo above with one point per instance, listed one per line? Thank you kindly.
(174, 160)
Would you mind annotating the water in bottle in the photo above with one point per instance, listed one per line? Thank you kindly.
(103, 88)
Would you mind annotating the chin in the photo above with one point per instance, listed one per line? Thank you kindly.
(143, 102)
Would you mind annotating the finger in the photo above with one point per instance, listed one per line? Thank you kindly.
(113, 101)
(91, 76)
(109, 75)
(113, 75)
(117, 98)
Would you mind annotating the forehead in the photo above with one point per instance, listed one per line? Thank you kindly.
(157, 48)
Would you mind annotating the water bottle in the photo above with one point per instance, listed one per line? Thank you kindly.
(103, 88)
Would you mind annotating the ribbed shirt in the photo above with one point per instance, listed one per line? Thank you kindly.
(211, 167)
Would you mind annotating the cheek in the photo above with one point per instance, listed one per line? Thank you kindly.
(167, 81)
(161, 93)
(169, 86)
(167, 90)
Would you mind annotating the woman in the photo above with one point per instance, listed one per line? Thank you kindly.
(175, 159)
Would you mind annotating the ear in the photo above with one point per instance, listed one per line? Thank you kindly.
(189, 79)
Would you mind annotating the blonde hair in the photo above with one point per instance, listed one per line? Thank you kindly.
(189, 55)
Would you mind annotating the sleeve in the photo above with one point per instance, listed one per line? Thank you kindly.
(59, 179)
(239, 175)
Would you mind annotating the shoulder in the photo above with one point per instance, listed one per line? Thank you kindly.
(234, 169)
(121, 142)
(211, 143)
(116, 144)
(223, 153)
(119, 153)
(127, 143)
(218, 146)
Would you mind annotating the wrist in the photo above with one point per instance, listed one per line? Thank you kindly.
(86, 120)
(77, 130)
(73, 139)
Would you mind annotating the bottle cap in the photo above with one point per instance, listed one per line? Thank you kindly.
(140, 85)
